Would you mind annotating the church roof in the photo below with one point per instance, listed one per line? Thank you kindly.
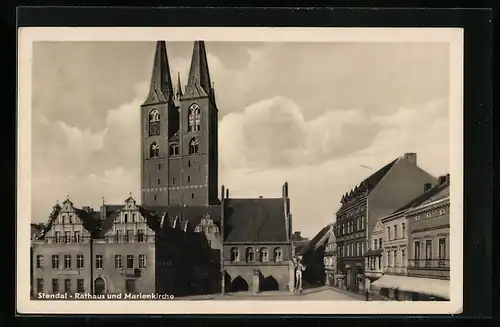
(192, 214)
(254, 220)
(160, 89)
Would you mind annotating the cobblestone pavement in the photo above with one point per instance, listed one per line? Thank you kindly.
(319, 294)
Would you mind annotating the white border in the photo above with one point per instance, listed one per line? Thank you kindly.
(454, 36)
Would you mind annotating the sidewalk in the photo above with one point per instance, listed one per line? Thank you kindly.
(358, 296)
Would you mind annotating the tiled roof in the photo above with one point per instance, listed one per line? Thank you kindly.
(437, 192)
(255, 220)
(316, 241)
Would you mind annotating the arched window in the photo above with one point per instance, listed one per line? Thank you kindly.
(264, 256)
(278, 254)
(154, 122)
(174, 149)
(235, 254)
(154, 150)
(250, 255)
(194, 118)
(193, 146)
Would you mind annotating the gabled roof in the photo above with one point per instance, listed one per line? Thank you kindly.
(90, 220)
(107, 215)
(317, 240)
(255, 220)
(438, 191)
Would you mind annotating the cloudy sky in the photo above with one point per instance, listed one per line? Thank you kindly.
(307, 113)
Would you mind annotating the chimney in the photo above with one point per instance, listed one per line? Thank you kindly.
(285, 190)
(222, 192)
(296, 236)
(427, 186)
(227, 193)
(411, 157)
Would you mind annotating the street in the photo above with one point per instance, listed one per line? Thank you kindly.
(316, 294)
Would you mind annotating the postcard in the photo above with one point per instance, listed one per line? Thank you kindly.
(250, 170)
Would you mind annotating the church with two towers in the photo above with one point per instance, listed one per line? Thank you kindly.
(185, 236)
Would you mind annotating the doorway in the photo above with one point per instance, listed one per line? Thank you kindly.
(99, 286)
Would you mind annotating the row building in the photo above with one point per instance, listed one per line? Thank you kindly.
(409, 260)
(381, 193)
(182, 238)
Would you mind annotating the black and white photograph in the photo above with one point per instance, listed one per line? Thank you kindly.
(269, 169)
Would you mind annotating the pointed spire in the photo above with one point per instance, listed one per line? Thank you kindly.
(160, 88)
(198, 73)
(179, 88)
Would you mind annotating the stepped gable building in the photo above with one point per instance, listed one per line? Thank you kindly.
(412, 263)
(61, 254)
(378, 195)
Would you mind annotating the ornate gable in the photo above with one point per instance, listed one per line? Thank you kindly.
(378, 227)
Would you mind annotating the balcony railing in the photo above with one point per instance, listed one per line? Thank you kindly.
(429, 263)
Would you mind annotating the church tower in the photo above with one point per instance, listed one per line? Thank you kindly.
(159, 122)
(179, 146)
(196, 166)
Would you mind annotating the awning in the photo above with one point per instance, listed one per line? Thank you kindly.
(429, 286)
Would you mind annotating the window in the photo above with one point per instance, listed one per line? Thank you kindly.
(130, 286)
(395, 231)
(389, 257)
(67, 261)
(173, 180)
(388, 236)
(358, 249)
(403, 229)
(442, 248)
(154, 122)
(80, 286)
(396, 258)
(154, 150)
(343, 229)
(192, 195)
(417, 218)
(194, 118)
(189, 179)
(250, 255)
(416, 250)
(264, 256)
(118, 261)
(155, 197)
(130, 261)
(58, 237)
(352, 249)
(142, 261)
(189, 163)
(362, 248)
(140, 235)
(129, 236)
(278, 255)
(55, 285)
(174, 150)
(67, 285)
(403, 257)
(428, 215)
(348, 250)
(235, 255)
(39, 285)
(441, 211)
(428, 249)
(125, 218)
(98, 261)
(375, 244)
(119, 236)
(55, 262)
(79, 261)
(77, 237)
(159, 181)
(380, 242)
(67, 237)
(193, 146)
(159, 166)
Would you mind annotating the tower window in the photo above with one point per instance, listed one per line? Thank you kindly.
(158, 181)
(193, 146)
(159, 166)
(189, 163)
(192, 195)
(155, 197)
(174, 150)
(154, 122)
(194, 118)
(189, 178)
(154, 150)
(173, 180)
